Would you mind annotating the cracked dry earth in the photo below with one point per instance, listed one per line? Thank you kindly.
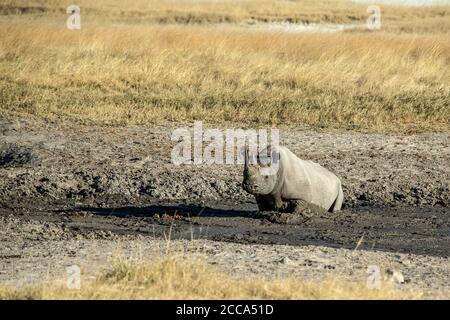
(76, 194)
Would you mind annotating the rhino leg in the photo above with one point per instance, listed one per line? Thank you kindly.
(303, 208)
(270, 203)
(295, 212)
(263, 203)
(272, 208)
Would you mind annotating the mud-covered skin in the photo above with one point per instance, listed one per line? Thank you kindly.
(286, 211)
(271, 203)
(272, 206)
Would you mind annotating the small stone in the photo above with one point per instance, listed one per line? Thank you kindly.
(286, 260)
(394, 276)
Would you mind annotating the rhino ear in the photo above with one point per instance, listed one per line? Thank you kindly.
(275, 155)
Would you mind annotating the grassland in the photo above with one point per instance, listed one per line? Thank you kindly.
(143, 62)
(172, 278)
(395, 18)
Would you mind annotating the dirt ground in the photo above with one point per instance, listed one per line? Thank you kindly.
(81, 194)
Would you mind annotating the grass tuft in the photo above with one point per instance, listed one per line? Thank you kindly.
(173, 278)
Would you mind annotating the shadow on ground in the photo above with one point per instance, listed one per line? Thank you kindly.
(406, 230)
(184, 210)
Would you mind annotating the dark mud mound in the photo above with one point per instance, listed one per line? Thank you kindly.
(16, 156)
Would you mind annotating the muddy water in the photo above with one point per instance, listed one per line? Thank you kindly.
(404, 230)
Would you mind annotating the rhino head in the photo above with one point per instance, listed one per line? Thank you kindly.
(257, 179)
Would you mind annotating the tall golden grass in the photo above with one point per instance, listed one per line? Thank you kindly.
(172, 278)
(140, 73)
(395, 18)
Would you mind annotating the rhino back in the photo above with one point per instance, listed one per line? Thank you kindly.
(307, 180)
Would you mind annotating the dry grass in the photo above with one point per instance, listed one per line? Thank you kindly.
(140, 73)
(194, 279)
(395, 18)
